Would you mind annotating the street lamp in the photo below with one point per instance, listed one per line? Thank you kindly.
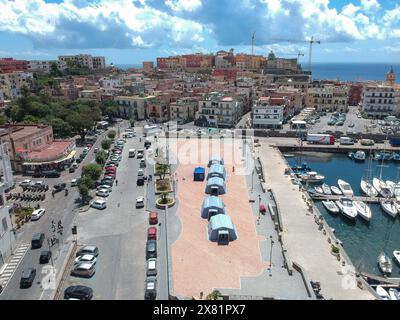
(252, 180)
(166, 247)
(270, 257)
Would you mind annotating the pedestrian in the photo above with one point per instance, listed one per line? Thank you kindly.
(116, 182)
(233, 169)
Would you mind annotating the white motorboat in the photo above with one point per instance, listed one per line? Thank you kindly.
(396, 191)
(345, 188)
(368, 188)
(394, 294)
(319, 190)
(382, 293)
(326, 189)
(382, 188)
(347, 207)
(390, 184)
(389, 207)
(385, 264)
(336, 190)
(331, 206)
(363, 210)
(396, 254)
(312, 176)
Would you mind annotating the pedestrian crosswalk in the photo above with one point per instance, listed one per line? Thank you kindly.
(12, 265)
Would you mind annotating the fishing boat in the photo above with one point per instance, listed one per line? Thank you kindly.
(301, 169)
(385, 264)
(346, 206)
(382, 293)
(368, 188)
(363, 210)
(383, 156)
(396, 255)
(394, 294)
(331, 206)
(326, 189)
(319, 190)
(359, 156)
(312, 177)
(395, 156)
(389, 207)
(335, 190)
(345, 188)
(382, 188)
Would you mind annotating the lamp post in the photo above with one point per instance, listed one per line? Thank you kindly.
(166, 247)
(270, 257)
(252, 180)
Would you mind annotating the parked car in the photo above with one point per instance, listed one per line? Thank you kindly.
(151, 249)
(93, 250)
(107, 182)
(25, 183)
(151, 268)
(52, 174)
(45, 257)
(104, 186)
(153, 218)
(78, 292)
(108, 177)
(102, 193)
(59, 187)
(142, 163)
(96, 150)
(111, 169)
(152, 233)
(140, 181)
(86, 258)
(140, 154)
(150, 292)
(99, 204)
(37, 240)
(84, 269)
(139, 202)
(27, 278)
(71, 170)
(140, 173)
(36, 215)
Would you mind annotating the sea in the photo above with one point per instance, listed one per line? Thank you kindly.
(341, 71)
(363, 241)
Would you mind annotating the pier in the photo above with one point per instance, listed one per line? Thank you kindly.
(326, 197)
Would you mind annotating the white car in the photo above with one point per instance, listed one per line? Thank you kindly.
(74, 182)
(26, 182)
(102, 193)
(104, 186)
(96, 150)
(99, 204)
(140, 173)
(139, 202)
(37, 214)
(90, 258)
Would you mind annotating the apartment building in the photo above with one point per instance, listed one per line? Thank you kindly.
(219, 110)
(148, 65)
(7, 232)
(249, 62)
(224, 60)
(157, 110)
(269, 112)
(134, 107)
(84, 60)
(40, 66)
(11, 84)
(9, 65)
(327, 96)
(184, 109)
(379, 100)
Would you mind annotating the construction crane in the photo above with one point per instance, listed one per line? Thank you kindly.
(252, 43)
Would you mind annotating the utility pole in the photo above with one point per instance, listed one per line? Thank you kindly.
(252, 43)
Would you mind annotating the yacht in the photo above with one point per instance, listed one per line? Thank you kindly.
(363, 210)
(319, 190)
(390, 185)
(394, 294)
(382, 188)
(345, 188)
(359, 156)
(326, 189)
(368, 188)
(312, 176)
(382, 293)
(331, 206)
(335, 190)
(396, 254)
(389, 207)
(384, 264)
(347, 207)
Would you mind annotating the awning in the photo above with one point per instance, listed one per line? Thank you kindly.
(70, 156)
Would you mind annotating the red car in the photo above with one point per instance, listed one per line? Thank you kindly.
(152, 233)
(89, 145)
(111, 169)
(153, 218)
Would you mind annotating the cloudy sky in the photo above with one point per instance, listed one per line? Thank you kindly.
(130, 31)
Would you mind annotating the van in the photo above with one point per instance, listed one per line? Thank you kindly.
(37, 240)
(346, 141)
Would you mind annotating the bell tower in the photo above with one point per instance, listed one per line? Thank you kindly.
(391, 77)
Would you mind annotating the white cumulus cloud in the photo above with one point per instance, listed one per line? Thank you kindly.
(183, 5)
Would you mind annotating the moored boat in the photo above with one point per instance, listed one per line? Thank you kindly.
(288, 155)
(394, 294)
(389, 207)
(350, 155)
(312, 177)
(382, 293)
(368, 188)
(363, 210)
(395, 156)
(336, 191)
(347, 207)
(319, 190)
(384, 263)
(382, 188)
(326, 189)
(345, 188)
(331, 206)
(396, 255)
(359, 156)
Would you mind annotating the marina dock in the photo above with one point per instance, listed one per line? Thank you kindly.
(323, 197)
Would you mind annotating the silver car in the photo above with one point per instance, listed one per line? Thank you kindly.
(83, 269)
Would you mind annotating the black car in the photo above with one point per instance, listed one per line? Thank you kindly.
(140, 181)
(45, 257)
(71, 170)
(151, 249)
(37, 240)
(28, 275)
(78, 292)
(78, 160)
(52, 174)
(59, 187)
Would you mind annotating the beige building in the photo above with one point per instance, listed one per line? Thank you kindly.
(11, 84)
(84, 60)
(379, 100)
(328, 96)
(184, 109)
(134, 107)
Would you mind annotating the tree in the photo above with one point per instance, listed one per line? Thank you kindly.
(106, 144)
(111, 134)
(214, 295)
(92, 170)
(101, 157)
(87, 181)
(83, 190)
(109, 108)
(80, 122)
(3, 119)
(55, 71)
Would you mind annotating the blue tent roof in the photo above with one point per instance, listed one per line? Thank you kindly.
(199, 170)
(213, 201)
(221, 221)
(216, 180)
(217, 168)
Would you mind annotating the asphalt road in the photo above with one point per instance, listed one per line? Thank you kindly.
(60, 207)
(120, 233)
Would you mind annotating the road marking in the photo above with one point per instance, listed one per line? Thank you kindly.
(13, 265)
